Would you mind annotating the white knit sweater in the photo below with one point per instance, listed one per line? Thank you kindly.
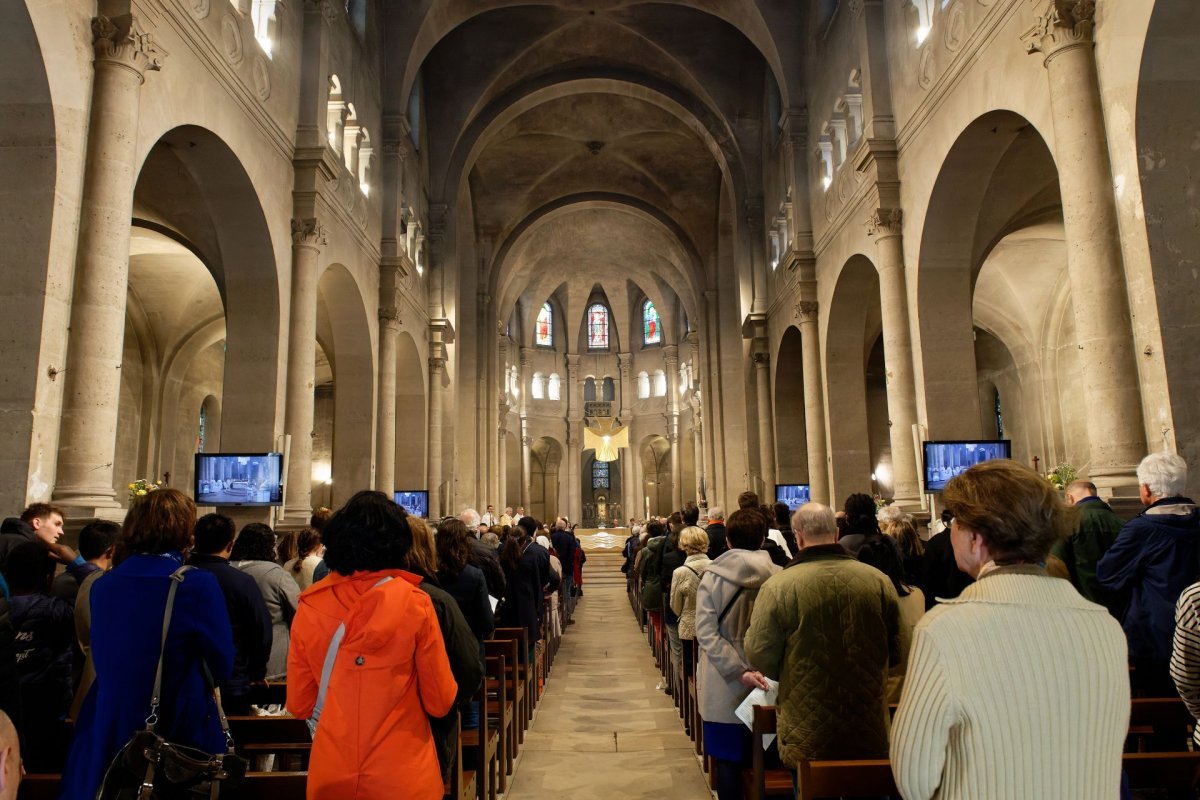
(1018, 689)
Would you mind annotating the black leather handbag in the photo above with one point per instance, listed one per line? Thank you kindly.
(151, 768)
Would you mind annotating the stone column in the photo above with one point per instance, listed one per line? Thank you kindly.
(693, 340)
(385, 431)
(1111, 399)
(308, 237)
(886, 227)
(88, 432)
(698, 447)
(629, 491)
(502, 455)
(766, 430)
(574, 445)
(814, 402)
(671, 364)
(526, 465)
(437, 396)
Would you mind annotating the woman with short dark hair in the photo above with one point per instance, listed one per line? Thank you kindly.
(254, 553)
(1019, 687)
(127, 606)
(861, 524)
(389, 673)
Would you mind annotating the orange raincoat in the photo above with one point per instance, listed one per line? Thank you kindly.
(373, 740)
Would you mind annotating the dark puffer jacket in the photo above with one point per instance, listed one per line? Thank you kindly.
(1156, 558)
(828, 628)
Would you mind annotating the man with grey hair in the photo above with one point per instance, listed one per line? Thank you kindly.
(717, 543)
(483, 556)
(470, 518)
(1154, 558)
(827, 628)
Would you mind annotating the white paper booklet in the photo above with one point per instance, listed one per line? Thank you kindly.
(758, 697)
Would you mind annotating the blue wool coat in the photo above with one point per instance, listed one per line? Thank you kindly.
(127, 612)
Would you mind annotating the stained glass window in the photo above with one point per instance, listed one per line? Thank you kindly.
(544, 330)
(600, 475)
(203, 424)
(597, 319)
(651, 327)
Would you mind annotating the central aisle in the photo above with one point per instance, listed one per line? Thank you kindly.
(602, 731)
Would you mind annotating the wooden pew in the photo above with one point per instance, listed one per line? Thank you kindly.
(256, 786)
(269, 693)
(484, 746)
(526, 697)
(1153, 718)
(279, 736)
(501, 707)
(463, 783)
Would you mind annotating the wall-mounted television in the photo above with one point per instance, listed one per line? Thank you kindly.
(415, 502)
(239, 479)
(792, 495)
(944, 460)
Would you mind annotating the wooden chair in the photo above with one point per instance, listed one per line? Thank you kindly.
(278, 736)
(525, 672)
(463, 783)
(501, 707)
(483, 744)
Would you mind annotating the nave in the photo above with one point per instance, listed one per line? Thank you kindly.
(602, 731)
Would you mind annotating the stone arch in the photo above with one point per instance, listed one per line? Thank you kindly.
(655, 454)
(997, 178)
(29, 181)
(851, 331)
(412, 430)
(791, 439)
(344, 330)
(545, 468)
(1169, 169)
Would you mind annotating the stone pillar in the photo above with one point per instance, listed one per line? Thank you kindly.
(502, 455)
(671, 364)
(766, 430)
(1111, 399)
(385, 431)
(698, 447)
(437, 396)
(88, 432)
(526, 459)
(886, 227)
(693, 339)
(574, 436)
(629, 491)
(308, 237)
(814, 403)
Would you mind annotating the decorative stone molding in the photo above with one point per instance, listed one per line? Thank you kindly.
(806, 311)
(762, 360)
(437, 364)
(121, 40)
(955, 28)
(199, 8)
(308, 232)
(262, 78)
(886, 222)
(231, 39)
(927, 69)
(389, 317)
(1064, 24)
(524, 356)
(397, 148)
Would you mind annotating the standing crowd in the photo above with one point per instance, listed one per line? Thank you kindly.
(997, 659)
(374, 620)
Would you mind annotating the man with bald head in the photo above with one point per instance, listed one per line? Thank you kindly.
(827, 628)
(1097, 528)
(10, 759)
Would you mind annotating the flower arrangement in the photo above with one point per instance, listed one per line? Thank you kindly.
(142, 487)
(1062, 476)
(880, 502)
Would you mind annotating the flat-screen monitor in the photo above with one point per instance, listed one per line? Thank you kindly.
(944, 460)
(792, 495)
(415, 502)
(239, 479)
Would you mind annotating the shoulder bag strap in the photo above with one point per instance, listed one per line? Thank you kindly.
(156, 694)
(729, 605)
(331, 652)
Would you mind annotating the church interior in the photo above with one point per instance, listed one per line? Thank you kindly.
(596, 260)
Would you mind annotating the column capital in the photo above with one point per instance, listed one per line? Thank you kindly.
(671, 355)
(762, 359)
(526, 440)
(625, 364)
(437, 364)
(121, 40)
(308, 232)
(389, 318)
(886, 222)
(806, 311)
(1061, 25)
(524, 356)
(397, 148)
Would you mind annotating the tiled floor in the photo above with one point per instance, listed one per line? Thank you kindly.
(602, 731)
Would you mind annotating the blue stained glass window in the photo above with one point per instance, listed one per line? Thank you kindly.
(600, 478)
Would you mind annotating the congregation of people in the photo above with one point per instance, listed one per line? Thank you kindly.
(995, 659)
(374, 620)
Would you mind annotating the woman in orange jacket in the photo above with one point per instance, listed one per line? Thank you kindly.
(388, 674)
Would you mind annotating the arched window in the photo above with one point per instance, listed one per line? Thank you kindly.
(643, 385)
(660, 383)
(651, 327)
(414, 112)
(366, 155)
(553, 388)
(608, 390)
(600, 475)
(544, 329)
(537, 389)
(203, 420)
(589, 389)
(597, 327)
(514, 382)
(266, 25)
(999, 417)
(335, 117)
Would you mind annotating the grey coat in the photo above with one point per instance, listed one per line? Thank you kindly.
(722, 654)
(282, 595)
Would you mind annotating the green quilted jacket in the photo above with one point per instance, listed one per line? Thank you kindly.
(827, 628)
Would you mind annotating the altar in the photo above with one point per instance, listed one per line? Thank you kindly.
(602, 539)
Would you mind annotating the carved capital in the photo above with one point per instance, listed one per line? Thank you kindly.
(524, 356)
(437, 364)
(308, 232)
(1063, 24)
(122, 41)
(806, 311)
(886, 222)
(762, 360)
(526, 441)
(389, 318)
(397, 148)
